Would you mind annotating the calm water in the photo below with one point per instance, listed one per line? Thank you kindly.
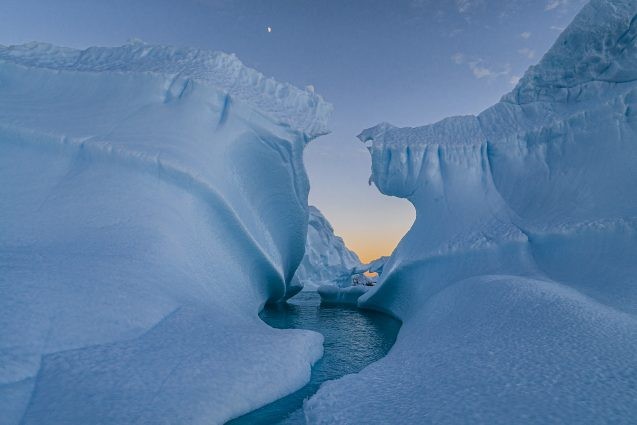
(353, 339)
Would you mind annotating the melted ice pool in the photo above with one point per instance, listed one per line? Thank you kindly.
(353, 339)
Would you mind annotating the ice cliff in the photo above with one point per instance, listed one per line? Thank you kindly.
(327, 260)
(153, 199)
(517, 283)
(330, 268)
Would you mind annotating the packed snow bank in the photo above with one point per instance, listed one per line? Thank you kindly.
(327, 260)
(139, 240)
(517, 282)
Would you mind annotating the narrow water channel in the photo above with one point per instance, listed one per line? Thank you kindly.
(354, 338)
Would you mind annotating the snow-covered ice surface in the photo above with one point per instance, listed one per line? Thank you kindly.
(327, 260)
(517, 284)
(153, 199)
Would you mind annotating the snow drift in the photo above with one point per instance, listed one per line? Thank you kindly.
(517, 282)
(153, 199)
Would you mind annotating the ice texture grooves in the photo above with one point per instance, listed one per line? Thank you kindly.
(598, 46)
(517, 283)
(153, 199)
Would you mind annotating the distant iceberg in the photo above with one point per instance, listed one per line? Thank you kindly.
(517, 283)
(330, 268)
(327, 260)
(153, 199)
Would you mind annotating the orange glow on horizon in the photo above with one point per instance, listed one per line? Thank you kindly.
(371, 245)
(370, 250)
(372, 229)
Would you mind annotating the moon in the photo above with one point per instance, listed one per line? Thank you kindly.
(269, 29)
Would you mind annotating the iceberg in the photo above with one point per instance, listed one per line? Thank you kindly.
(330, 268)
(374, 266)
(153, 199)
(327, 260)
(516, 284)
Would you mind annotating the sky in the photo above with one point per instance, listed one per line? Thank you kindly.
(407, 62)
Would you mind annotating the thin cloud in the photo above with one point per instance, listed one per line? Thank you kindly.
(525, 35)
(428, 7)
(479, 71)
(529, 53)
(464, 6)
(467, 7)
(458, 58)
(479, 68)
(554, 4)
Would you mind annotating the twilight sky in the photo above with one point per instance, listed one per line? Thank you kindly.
(407, 62)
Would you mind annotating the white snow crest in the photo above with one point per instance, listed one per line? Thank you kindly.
(303, 110)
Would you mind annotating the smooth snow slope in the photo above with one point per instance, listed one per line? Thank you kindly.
(517, 283)
(153, 198)
(327, 260)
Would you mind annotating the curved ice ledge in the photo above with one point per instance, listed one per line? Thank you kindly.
(156, 198)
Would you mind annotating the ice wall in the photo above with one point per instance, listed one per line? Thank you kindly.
(153, 198)
(327, 260)
(517, 282)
